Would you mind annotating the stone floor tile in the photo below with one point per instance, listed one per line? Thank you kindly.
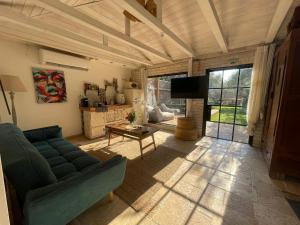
(200, 216)
(173, 209)
(231, 183)
(267, 216)
(189, 191)
(196, 154)
(198, 175)
(211, 159)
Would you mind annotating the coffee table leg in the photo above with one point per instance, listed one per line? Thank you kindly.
(153, 142)
(141, 148)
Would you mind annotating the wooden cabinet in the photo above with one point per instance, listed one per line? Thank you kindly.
(281, 138)
(94, 122)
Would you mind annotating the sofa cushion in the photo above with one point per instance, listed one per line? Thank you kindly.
(63, 169)
(54, 161)
(24, 166)
(45, 133)
(66, 160)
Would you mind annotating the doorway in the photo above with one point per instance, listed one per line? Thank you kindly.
(228, 94)
(161, 108)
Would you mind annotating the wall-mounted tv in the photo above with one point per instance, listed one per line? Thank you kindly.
(189, 87)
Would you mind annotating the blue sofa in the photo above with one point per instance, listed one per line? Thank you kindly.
(54, 180)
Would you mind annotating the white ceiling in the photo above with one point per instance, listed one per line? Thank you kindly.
(244, 23)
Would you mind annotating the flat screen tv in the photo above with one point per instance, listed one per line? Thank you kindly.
(188, 87)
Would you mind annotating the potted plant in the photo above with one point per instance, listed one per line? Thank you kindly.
(131, 117)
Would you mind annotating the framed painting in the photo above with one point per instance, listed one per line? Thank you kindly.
(50, 86)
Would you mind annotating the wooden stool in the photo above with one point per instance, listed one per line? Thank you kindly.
(186, 129)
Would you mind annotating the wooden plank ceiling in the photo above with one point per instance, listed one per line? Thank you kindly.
(244, 23)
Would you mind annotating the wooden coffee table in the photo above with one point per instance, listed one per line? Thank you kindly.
(135, 133)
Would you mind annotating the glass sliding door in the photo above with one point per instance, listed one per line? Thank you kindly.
(159, 95)
(227, 101)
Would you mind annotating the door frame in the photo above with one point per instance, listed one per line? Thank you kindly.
(206, 108)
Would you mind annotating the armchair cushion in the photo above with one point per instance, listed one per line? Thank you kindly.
(165, 108)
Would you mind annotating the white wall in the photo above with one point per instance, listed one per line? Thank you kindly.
(18, 59)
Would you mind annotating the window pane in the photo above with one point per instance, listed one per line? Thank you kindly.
(245, 77)
(215, 79)
(240, 117)
(240, 134)
(230, 78)
(211, 129)
(229, 96)
(243, 97)
(214, 96)
(225, 131)
(227, 114)
(215, 113)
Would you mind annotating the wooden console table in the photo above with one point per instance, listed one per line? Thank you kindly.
(94, 122)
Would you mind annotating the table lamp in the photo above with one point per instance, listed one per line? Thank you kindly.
(12, 84)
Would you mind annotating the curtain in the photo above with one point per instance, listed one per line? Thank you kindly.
(148, 96)
(259, 85)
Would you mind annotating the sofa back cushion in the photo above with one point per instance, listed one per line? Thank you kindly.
(45, 133)
(23, 165)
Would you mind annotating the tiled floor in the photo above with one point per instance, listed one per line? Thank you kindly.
(220, 182)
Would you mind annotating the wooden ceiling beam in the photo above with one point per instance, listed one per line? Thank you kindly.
(278, 17)
(154, 23)
(17, 18)
(68, 12)
(26, 36)
(211, 16)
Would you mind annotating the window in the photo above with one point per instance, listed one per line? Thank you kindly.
(227, 102)
(159, 94)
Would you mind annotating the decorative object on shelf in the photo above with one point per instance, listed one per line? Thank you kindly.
(110, 95)
(131, 117)
(12, 84)
(102, 95)
(131, 84)
(111, 90)
(115, 84)
(84, 102)
(90, 86)
(120, 98)
(49, 85)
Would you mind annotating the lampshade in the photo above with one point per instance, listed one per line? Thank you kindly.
(12, 83)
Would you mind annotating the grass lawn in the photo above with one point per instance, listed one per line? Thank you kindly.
(227, 115)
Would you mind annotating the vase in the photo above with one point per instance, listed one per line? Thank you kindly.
(120, 98)
(110, 93)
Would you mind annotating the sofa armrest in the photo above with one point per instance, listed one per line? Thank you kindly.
(59, 203)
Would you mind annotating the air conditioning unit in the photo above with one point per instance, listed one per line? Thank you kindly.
(64, 60)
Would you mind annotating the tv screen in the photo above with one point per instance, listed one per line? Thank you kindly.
(188, 87)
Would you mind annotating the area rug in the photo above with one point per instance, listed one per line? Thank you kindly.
(145, 177)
